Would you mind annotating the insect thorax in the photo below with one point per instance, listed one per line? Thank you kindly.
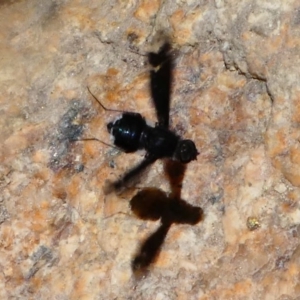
(159, 141)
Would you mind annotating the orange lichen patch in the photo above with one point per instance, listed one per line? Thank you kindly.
(138, 90)
(124, 277)
(282, 286)
(164, 259)
(175, 233)
(293, 269)
(278, 239)
(22, 139)
(27, 191)
(99, 176)
(7, 236)
(217, 123)
(91, 150)
(243, 287)
(36, 283)
(230, 81)
(182, 36)
(53, 43)
(292, 40)
(112, 96)
(240, 117)
(13, 145)
(252, 251)
(257, 65)
(254, 170)
(177, 17)
(294, 154)
(240, 289)
(276, 141)
(294, 196)
(30, 243)
(81, 285)
(197, 119)
(97, 127)
(68, 94)
(107, 88)
(13, 109)
(9, 271)
(219, 98)
(41, 176)
(58, 185)
(277, 163)
(112, 72)
(39, 219)
(234, 227)
(272, 46)
(60, 91)
(289, 206)
(141, 97)
(74, 186)
(40, 156)
(16, 15)
(295, 134)
(253, 242)
(112, 205)
(87, 201)
(14, 276)
(183, 22)
(59, 192)
(79, 16)
(33, 132)
(62, 280)
(292, 174)
(45, 204)
(140, 82)
(211, 61)
(147, 10)
(230, 191)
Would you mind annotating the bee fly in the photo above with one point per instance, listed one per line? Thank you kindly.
(131, 132)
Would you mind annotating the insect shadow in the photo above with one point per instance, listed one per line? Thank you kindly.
(131, 133)
(154, 204)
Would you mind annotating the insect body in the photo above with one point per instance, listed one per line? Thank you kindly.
(131, 132)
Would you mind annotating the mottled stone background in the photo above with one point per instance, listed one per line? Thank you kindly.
(236, 93)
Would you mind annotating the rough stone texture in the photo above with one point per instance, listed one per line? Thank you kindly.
(236, 93)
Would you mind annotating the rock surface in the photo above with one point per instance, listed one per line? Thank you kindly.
(236, 93)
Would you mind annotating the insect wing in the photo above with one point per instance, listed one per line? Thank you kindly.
(160, 82)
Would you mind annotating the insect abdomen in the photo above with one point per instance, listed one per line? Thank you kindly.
(127, 131)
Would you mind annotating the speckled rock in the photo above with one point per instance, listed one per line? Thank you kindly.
(235, 93)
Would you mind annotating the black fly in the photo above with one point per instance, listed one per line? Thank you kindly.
(131, 132)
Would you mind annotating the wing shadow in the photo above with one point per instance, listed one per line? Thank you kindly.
(154, 204)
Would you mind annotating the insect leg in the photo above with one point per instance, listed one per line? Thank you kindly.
(129, 175)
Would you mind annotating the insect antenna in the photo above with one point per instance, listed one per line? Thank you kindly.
(95, 140)
(105, 108)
